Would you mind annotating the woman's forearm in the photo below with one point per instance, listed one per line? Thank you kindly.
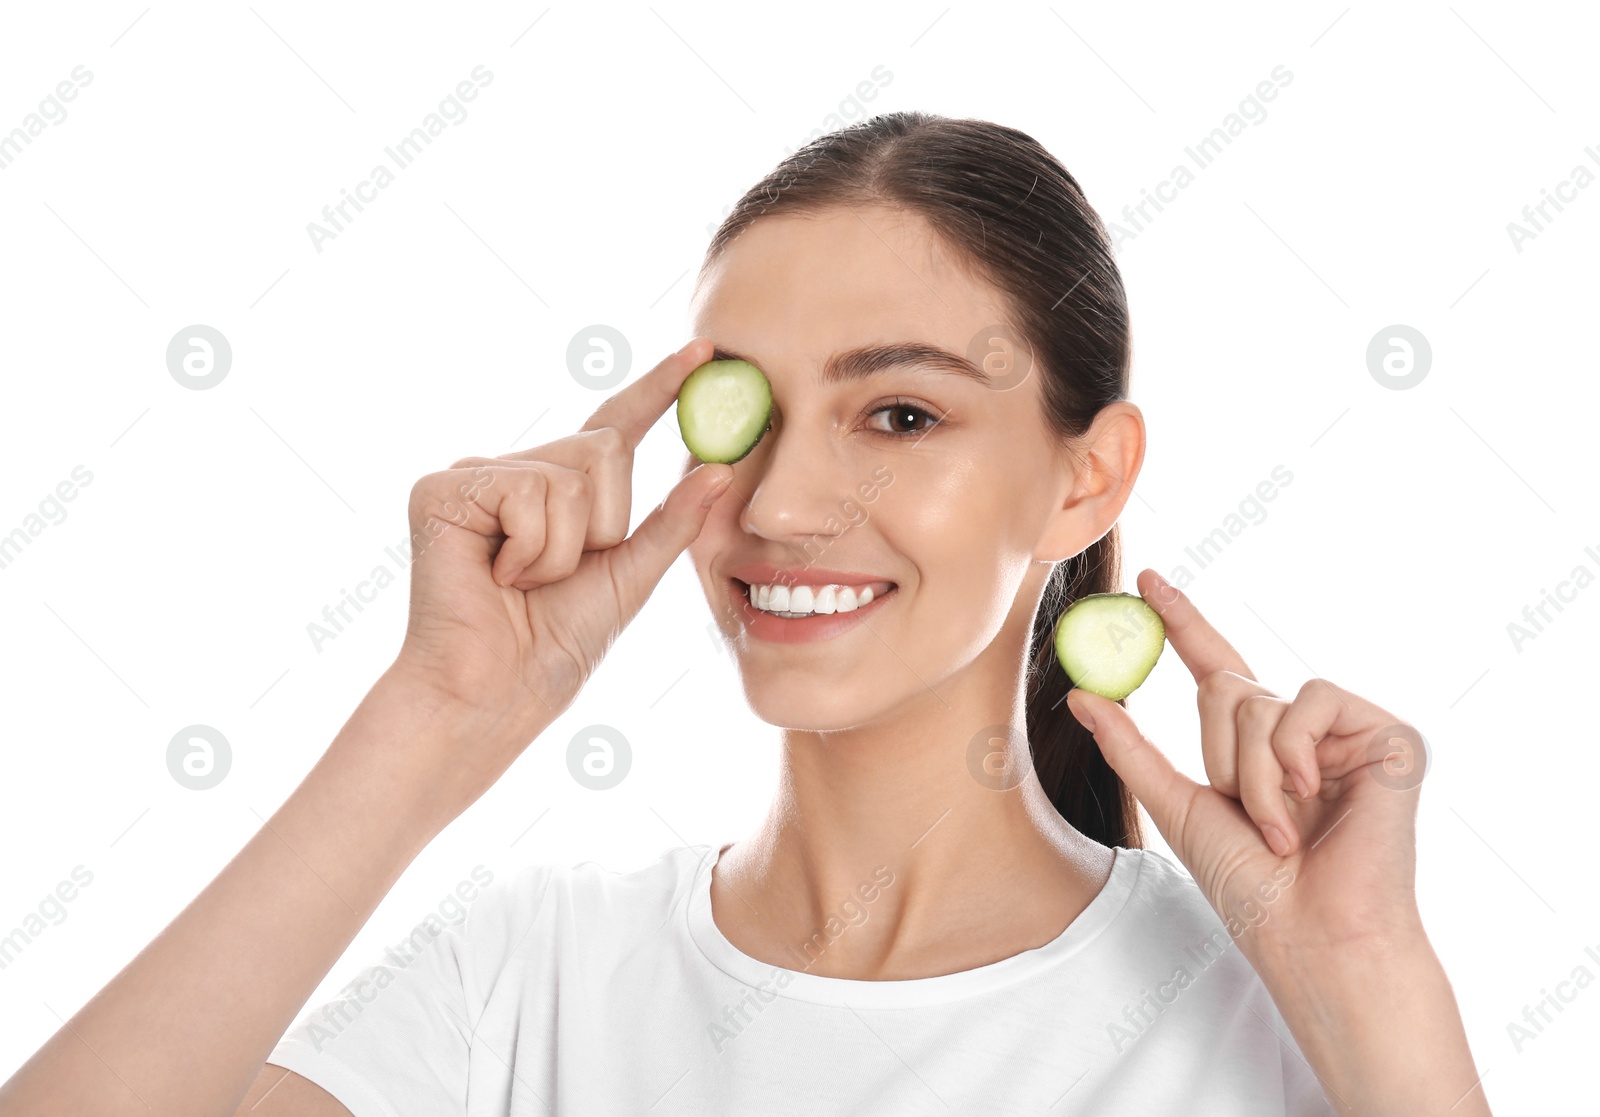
(1380, 1026)
(185, 1027)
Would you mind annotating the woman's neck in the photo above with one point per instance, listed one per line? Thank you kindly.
(884, 857)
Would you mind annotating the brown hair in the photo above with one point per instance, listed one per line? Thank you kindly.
(1012, 209)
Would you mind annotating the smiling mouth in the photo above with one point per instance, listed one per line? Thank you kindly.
(795, 602)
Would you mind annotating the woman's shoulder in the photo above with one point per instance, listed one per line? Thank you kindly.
(1164, 900)
(589, 885)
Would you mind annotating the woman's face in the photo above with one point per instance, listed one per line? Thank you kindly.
(939, 491)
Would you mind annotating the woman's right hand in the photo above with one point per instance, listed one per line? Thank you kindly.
(523, 573)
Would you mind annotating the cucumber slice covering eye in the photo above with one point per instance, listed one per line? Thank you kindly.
(1108, 642)
(723, 410)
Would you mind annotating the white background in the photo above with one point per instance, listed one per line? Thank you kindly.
(581, 189)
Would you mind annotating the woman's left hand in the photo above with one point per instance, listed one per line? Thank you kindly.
(1324, 786)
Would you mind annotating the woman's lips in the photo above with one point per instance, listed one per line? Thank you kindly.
(762, 625)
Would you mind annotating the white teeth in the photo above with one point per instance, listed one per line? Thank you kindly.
(803, 601)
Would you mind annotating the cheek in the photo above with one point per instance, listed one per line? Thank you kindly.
(948, 516)
(963, 531)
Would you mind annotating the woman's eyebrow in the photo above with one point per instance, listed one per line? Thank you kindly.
(858, 364)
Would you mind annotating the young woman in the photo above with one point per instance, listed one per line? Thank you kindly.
(948, 906)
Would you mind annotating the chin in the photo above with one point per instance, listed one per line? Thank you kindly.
(792, 704)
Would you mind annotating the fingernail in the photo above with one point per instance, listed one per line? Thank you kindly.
(1275, 839)
(1300, 785)
(1164, 592)
(1079, 712)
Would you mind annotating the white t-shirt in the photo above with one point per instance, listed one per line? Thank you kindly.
(585, 991)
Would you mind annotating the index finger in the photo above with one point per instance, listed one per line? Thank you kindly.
(1201, 647)
(635, 409)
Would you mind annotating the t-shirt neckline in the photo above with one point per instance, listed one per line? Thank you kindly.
(910, 992)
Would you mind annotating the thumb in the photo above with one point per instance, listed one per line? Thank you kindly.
(639, 561)
(1163, 791)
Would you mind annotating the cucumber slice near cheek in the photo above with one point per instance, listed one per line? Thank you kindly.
(723, 410)
(1108, 642)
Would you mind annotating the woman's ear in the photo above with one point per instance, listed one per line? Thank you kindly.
(1097, 474)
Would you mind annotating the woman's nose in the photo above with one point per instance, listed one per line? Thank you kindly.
(801, 486)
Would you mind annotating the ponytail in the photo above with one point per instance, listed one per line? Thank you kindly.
(1066, 757)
